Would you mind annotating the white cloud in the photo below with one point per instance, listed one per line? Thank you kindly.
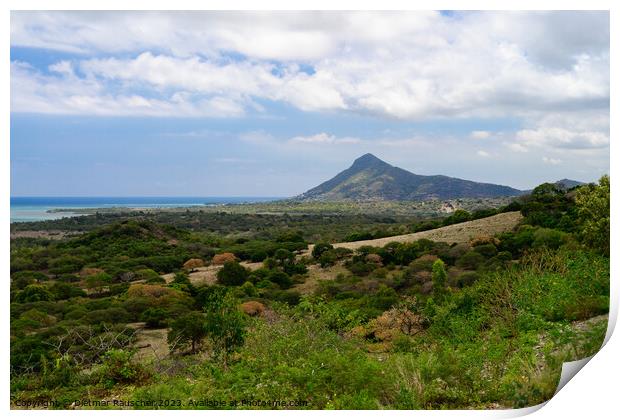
(551, 161)
(406, 65)
(563, 138)
(64, 93)
(516, 147)
(480, 134)
(482, 153)
(324, 138)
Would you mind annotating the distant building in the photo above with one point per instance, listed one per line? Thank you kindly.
(447, 207)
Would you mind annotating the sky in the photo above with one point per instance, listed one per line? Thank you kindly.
(274, 103)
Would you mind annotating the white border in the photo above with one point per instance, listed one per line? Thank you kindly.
(592, 394)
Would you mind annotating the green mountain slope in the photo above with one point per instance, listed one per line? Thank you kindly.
(370, 178)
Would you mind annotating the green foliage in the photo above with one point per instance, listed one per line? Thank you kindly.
(467, 279)
(148, 275)
(118, 367)
(62, 371)
(249, 289)
(320, 248)
(224, 323)
(232, 274)
(549, 206)
(328, 258)
(65, 264)
(22, 279)
(188, 330)
(593, 208)
(333, 315)
(440, 278)
(549, 238)
(290, 297)
(522, 307)
(154, 317)
(280, 278)
(34, 293)
(360, 268)
(98, 281)
(486, 250)
(65, 291)
(181, 282)
(470, 260)
(459, 216)
(110, 315)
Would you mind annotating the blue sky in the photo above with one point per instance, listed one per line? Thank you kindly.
(271, 104)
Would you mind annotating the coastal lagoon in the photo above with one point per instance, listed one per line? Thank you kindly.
(32, 209)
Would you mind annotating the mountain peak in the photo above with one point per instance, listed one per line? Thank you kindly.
(568, 183)
(370, 178)
(368, 160)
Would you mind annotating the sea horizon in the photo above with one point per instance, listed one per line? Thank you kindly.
(37, 208)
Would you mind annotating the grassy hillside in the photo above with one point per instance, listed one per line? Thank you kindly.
(370, 178)
(116, 314)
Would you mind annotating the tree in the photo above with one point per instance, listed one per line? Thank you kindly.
(284, 257)
(440, 277)
(34, 293)
(225, 323)
(219, 259)
(280, 278)
(65, 290)
(193, 263)
(98, 281)
(328, 258)
(190, 329)
(320, 248)
(154, 317)
(232, 274)
(593, 211)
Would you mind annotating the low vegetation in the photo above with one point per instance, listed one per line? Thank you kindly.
(484, 323)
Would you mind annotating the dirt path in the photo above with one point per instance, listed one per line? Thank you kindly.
(459, 233)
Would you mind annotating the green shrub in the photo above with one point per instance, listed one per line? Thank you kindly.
(65, 291)
(328, 258)
(113, 315)
(320, 248)
(361, 268)
(61, 372)
(423, 263)
(280, 278)
(549, 238)
(440, 278)
(289, 297)
(249, 289)
(34, 293)
(232, 274)
(188, 330)
(593, 207)
(467, 279)
(154, 317)
(148, 275)
(487, 250)
(470, 260)
(118, 367)
(224, 324)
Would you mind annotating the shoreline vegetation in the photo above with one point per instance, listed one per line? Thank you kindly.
(266, 304)
(411, 208)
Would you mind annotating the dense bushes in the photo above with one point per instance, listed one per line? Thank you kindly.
(232, 274)
(406, 325)
(593, 207)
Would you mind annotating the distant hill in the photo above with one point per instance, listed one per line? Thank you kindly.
(567, 184)
(370, 178)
